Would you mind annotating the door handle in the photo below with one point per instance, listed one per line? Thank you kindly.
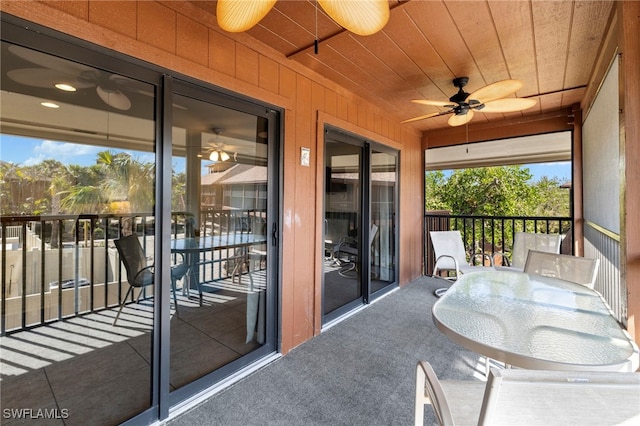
(274, 235)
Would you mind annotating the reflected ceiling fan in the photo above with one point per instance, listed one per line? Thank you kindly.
(218, 151)
(490, 98)
(70, 76)
(362, 17)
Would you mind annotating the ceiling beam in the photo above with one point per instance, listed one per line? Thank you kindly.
(549, 122)
(323, 40)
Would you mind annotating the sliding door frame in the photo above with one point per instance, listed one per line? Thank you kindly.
(366, 148)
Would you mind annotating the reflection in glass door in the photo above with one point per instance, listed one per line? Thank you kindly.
(383, 219)
(220, 219)
(360, 203)
(342, 219)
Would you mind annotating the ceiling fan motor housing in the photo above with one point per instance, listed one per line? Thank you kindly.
(461, 96)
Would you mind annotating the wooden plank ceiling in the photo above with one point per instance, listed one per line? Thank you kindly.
(551, 46)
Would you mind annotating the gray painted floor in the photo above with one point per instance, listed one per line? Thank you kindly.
(359, 372)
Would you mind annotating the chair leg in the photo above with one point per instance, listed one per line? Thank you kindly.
(122, 305)
(175, 298)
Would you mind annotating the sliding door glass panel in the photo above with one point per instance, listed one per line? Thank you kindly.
(342, 219)
(219, 235)
(77, 166)
(383, 218)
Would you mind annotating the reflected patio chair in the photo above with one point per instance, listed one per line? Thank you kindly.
(580, 270)
(139, 274)
(451, 256)
(347, 252)
(525, 241)
(530, 397)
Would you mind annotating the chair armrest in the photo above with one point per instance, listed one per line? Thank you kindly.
(430, 391)
(140, 274)
(446, 256)
(485, 256)
(505, 257)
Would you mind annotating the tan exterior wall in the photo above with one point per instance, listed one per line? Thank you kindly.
(179, 37)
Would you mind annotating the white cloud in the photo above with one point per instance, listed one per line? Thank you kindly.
(556, 164)
(62, 151)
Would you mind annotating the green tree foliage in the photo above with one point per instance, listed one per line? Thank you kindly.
(551, 198)
(495, 191)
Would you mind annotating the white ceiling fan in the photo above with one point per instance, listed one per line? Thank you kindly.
(54, 72)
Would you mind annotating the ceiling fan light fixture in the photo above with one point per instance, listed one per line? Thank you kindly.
(224, 156)
(50, 105)
(114, 98)
(214, 156)
(362, 17)
(65, 87)
(237, 16)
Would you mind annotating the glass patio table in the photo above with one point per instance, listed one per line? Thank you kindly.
(534, 322)
(193, 246)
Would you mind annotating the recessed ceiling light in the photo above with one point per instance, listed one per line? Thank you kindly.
(49, 105)
(65, 87)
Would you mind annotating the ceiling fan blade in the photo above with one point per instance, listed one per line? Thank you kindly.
(433, 103)
(114, 98)
(48, 61)
(362, 17)
(422, 117)
(237, 16)
(497, 90)
(44, 77)
(508, 105)
(459, 120)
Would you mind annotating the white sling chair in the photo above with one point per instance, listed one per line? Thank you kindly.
(579, 270)
(451, 256)
(525, 241)
(530, 397)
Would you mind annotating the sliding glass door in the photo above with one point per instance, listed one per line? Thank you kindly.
(360, 202)
(139, 233)
(383, 198)
(224, 210)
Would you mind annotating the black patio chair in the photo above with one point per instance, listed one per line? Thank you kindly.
(139, 274)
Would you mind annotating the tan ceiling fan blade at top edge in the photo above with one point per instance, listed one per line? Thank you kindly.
(508, 105)
(459, 120)
(497, 90)
(362, 17)
(237, 16)
(446, 104)
(422, 117)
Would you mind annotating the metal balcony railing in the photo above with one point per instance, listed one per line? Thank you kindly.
(491, 234)
(55, 267)
(494, 235)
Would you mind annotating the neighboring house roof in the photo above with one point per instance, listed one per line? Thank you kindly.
(240, 173)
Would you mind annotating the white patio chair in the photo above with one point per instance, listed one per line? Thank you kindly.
(525, 241)
(580, 270)
(451, 256)
(531, 397)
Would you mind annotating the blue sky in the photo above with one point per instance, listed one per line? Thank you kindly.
(27, 151)
(561, 170)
